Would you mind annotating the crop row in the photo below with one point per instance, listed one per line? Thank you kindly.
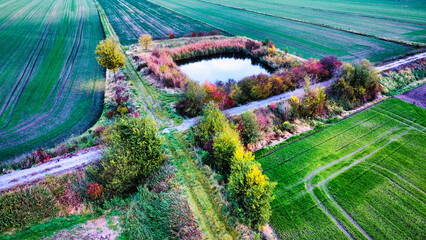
(131, 18)
(301, 38)
(51, 85)
(341, 181)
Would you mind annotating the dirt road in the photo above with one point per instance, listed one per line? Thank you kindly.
(55, 166)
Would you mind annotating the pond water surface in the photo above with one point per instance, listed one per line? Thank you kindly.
(221, 69)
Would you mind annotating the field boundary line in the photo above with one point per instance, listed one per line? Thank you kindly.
(409, 43)
(407, 120)
(330, 216)
(335, 174)
(322, 183)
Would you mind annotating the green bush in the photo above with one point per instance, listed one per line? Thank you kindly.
(313, 104)
(134, 152)
(192, 104)
(25, 207)
(225, 145)
(250, 192)
(358, 84)
(249, 127)
(212, 122)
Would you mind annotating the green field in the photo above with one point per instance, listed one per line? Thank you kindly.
(50, 83)
(301, 38)
(361, 178)
(410, 28)
(132, 18)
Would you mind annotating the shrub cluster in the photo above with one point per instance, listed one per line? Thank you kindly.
(29, 205)
(160, 205)
(134, 152)
(118, 98)
(258, 87)
(396, 79)
(357, 85)
(250, 191)
(313, 104)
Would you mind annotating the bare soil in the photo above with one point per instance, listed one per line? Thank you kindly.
(100, 228)
(416, 96)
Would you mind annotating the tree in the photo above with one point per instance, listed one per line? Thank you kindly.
(250, 191)
(212, 122)
(110, 55)
(145, 41)
(357, 84)
(134, 152)
(225, 146)
(171, 36)
(192, 104)
(249, 127)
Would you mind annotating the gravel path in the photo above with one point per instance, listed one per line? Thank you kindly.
(55, 166)
(85, 157)
(400, 62)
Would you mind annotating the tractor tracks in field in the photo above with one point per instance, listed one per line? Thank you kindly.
(63, 78)
(322, 184)
(408, 43)
(29, 66)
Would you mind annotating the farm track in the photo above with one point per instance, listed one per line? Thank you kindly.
(199, 192)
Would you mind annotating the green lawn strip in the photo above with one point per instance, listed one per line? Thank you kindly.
(210, 217)
(48, 228)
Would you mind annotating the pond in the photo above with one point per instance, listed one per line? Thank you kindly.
(222, 69)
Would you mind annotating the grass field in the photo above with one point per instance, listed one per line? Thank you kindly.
(403, 29)
(361, 178)
(132, 18)
(50, 83)
(301, 38)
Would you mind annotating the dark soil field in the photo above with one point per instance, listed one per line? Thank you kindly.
(415, 96)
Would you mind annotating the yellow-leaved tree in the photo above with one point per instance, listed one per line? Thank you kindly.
(110, 55)
(145, 41)
(250, 191)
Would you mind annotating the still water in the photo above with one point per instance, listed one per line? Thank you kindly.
(221, 69)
